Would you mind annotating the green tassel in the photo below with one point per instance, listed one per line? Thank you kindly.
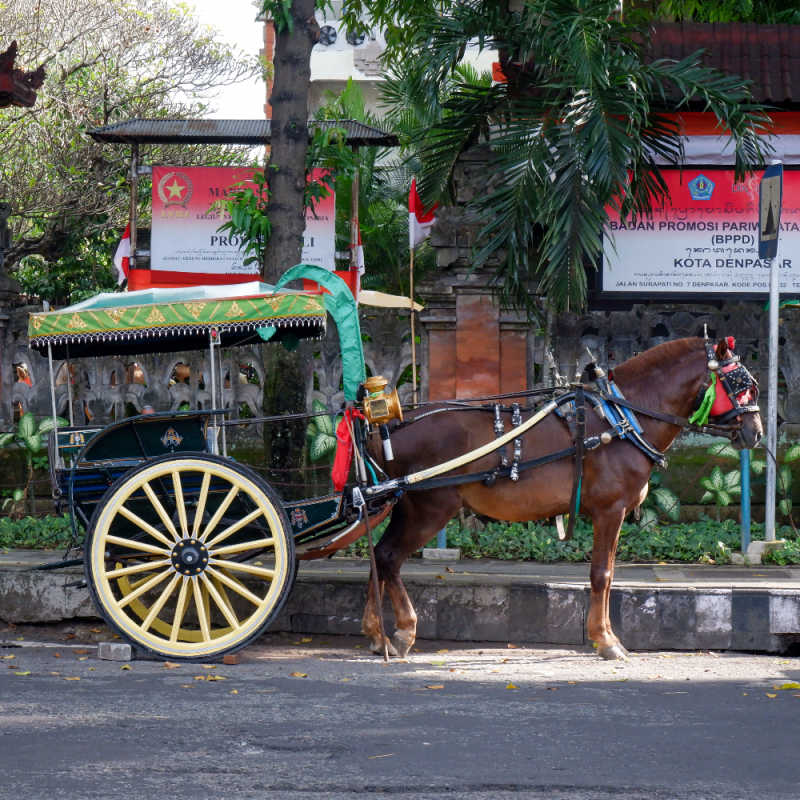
(700, 417)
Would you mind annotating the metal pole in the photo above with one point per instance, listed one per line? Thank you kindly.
(441, 538)
(772, 401)
(744, 466)
(413, 332)
(134, 216)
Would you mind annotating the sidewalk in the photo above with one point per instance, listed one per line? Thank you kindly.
(653, 606)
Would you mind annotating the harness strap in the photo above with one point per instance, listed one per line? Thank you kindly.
(577, 472)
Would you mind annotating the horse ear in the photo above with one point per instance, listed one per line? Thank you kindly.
(721, 350)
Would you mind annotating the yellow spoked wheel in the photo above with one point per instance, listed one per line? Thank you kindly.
(190, 556)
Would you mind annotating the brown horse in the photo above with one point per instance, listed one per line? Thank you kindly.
(668, 379)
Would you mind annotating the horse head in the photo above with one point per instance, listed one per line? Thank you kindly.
(735, 401)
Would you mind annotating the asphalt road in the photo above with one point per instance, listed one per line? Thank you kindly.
(319, 717)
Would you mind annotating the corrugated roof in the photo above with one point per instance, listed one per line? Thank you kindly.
(767, 55)
(226, 131)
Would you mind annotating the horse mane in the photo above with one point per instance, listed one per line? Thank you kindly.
(657, 356)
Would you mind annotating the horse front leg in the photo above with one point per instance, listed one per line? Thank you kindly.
(606, 526)
(405, 633)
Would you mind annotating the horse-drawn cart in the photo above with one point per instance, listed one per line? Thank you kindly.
(190, 554)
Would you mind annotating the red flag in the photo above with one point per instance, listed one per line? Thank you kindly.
(420, 221)
(122, 256)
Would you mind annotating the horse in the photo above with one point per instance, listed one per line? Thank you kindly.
(664, 384)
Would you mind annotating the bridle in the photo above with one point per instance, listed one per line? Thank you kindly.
(735, 388)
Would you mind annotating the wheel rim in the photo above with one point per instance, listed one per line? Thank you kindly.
(189, 557)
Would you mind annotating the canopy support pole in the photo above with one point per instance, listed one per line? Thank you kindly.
(214, 428)
(53, 399)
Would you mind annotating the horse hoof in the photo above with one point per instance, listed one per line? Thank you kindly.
(402, 646)
(377, 648)
(613, 652)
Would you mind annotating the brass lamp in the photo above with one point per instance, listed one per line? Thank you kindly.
(381, 405)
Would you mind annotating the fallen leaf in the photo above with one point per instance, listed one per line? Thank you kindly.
(744, 694)
(234, 691)
(438, 663)
(199, 677)
(116, 636)
(187, 686)
(511, 686)
(208, 666)
(72, 635)
(216, 678)
(440, 577)
(55, 673)
(92, 669)
(23, 672)
(789, 685)
(443, 650)
(505, 661)
(450, 569)
(72, 678)
(572, 683)
(7, 658)
(512, 646)
(771, 695)
(258, 563)
(91, 630)
(83, 658)
(171, 665)
(299, 674)
(125, 666)
(435, 686)
(345, 680)
(80, 651)
(306, 640)
(56, 655)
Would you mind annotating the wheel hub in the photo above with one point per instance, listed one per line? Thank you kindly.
(190, 557)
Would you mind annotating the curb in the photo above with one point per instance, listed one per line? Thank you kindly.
(485, 607)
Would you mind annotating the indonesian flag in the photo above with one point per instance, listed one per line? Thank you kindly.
(420, 221)
(122, 256)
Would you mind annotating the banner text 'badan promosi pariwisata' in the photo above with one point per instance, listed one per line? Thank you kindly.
(705, 240)
(185, 236)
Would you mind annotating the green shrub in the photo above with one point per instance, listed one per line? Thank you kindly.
(39, 533)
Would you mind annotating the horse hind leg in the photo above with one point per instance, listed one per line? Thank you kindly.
(606, 535)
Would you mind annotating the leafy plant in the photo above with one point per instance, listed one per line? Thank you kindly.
(30, 437)
(660, 502)
(321, 433)
(43, 533)
(783, 480)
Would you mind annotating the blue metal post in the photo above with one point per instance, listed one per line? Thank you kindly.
(441, 538)
(744, 465)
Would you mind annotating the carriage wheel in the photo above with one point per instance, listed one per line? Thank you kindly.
(190, 556)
